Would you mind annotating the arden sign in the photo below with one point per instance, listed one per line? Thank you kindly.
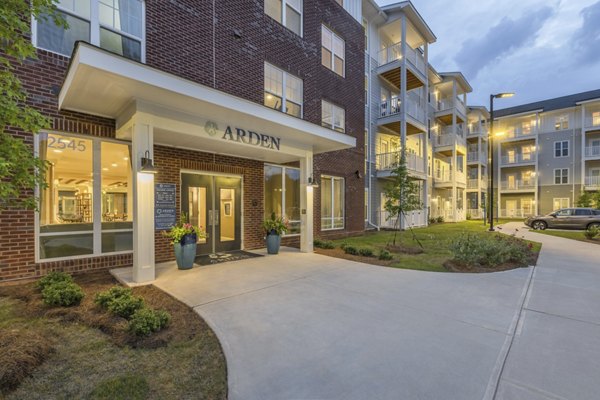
(248, 137)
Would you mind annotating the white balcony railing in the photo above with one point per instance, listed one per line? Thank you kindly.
(394, 52)
(413, 219)
(517, 185)
(461, 177)
(592, 151)
(512, 133)
(393, 106)
(444, 176)
(416, 58)
(477, 131)
(519, 159)
(389, 107)
(475, 156)
(390, 54)
(415, 109)
(474, 183)
(592, 181)
(389, 161)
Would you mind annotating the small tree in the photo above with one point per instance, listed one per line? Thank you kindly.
(403, 195)
(596, 199)
(20, 170)
(584, 199)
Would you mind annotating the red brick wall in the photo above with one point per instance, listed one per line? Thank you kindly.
(179, 40)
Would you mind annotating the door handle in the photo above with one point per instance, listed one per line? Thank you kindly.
(216, 219)
(210, 217)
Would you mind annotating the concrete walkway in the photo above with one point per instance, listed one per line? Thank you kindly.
(555, 353)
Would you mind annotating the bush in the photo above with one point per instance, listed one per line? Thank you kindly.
(439, 219)
(103, 299)
(119, 301)
(385, 255)
(53, 277)
(366, 252)
(469, 217)
(62, 293)
(432, 221)
(324, 244)
(146, 321)
(350, 249)
(591, 232)
(343, 245)
(489, 250)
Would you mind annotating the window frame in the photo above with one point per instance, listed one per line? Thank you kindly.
(561, 176)
(97, 230)
(283, 90)
(283, 169)
(343, 206)
(333, 113)
(331, 66)
(561, 122)
(283, 16)
(561, 148)
(95, 26)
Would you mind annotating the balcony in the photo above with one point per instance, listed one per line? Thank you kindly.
(461, 178)
(477, 131)
(514, 133)
(474, 183)
(389, 161)
(517, 186)
(592, 123)
(476, 157)
(393, 106)
(389, 61)
(518, 159)
(592, 152)
(389, 107)
(592, 182)
(443, 177)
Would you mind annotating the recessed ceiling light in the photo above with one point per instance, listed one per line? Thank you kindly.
(104, 169)
(125, 158)
(114, 164)
(57, 151)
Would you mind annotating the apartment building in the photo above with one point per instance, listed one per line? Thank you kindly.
(160, 108)
(409, 105)
(548, 153)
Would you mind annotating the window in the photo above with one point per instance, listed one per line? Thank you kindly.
(365, 25)
(561, 176)
(583, 211)
(289, 100)
(282, 195)
(596, 118)
(333, 117)
(114, 25)
(564, 213)
(561, 122)
(87, 207)
(332, 51)
(287, 12)
(526, 153)
(561, 149)
(332, 203)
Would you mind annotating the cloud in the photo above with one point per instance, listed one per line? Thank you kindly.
(503, 38)
(587, 38)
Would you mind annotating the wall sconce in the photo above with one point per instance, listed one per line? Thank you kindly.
(147, 165)
(358, 174)
(312, 182)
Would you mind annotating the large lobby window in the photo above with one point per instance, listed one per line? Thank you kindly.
(86, 207)
(332, 202)
(283, 91)
(282, 195)
(114, 25)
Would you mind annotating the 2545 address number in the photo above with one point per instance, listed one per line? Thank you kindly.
(59, 143)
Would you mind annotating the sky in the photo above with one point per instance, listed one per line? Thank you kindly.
(539, 49)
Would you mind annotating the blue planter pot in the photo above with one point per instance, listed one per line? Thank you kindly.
(185, 252)
(273, 243)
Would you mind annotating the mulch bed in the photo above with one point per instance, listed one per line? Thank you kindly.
(184, 324)
(339, 253)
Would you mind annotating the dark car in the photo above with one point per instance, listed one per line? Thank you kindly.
(566, 218)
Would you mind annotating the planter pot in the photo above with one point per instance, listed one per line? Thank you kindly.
(185, 252)
(273, 243)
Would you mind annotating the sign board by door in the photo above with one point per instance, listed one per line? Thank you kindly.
(165, 213)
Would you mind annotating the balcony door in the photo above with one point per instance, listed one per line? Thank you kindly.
(511, 182)
(511, 156)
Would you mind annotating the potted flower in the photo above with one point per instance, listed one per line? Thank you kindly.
(184, 237)
(274, 227)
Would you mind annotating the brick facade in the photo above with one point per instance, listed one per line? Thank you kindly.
(179, 40)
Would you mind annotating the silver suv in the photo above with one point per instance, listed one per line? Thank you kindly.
(566, 218)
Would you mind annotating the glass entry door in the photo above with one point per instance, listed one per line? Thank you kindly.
(214, 204)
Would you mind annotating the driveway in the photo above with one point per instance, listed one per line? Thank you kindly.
(306, 326)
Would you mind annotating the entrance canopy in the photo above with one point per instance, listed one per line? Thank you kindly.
(186, 114)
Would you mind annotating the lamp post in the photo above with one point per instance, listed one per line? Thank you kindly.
(491, 151)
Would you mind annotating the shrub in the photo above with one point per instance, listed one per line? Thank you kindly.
(432, 221)
(591, 232)
(439, 219)
(489, 250)
(366, 252)
(350, 249)
(53, 277)
(62, 293)
(119, 301)
(103, 299)
(146, 321)
(343, 245)
(469, 217)
(324, 244)
(385, 255)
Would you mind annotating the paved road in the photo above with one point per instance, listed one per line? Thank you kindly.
(306, 326)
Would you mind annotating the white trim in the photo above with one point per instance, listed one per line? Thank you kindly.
(562, 148)
(561, 176)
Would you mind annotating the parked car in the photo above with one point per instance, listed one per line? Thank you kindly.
(566, 218)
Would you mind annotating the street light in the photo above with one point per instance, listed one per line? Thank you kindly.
(491, 151)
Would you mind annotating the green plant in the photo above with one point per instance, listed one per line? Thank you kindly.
(439, 219)
(104, 298)
(591, 232)
(52, 278)
(275, 225)
(183, 228)
(62, 293)
(432, 221)
(146, 321)
(350, 249)
(119, 301)
(366, 252)
(385, 255)
(469, 216)
(324, 244)
(489, 250)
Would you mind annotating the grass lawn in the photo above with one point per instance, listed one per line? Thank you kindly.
(574, 235)
(81, 352)
(435, 239)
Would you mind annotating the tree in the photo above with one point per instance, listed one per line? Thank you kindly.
(584, 199)
(403, 194)
(20, 170)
